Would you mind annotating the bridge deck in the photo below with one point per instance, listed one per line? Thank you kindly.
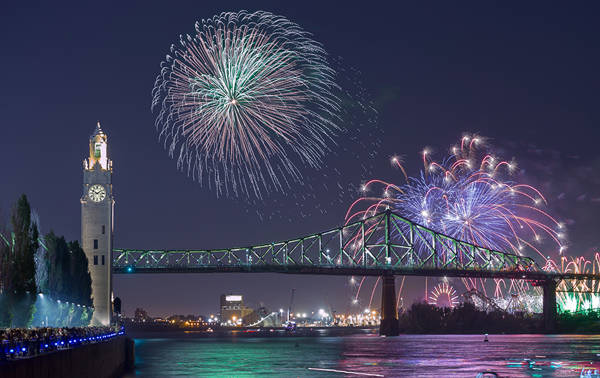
(353, 271)
(382, 244)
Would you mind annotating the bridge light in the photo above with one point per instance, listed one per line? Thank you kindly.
(129, 269)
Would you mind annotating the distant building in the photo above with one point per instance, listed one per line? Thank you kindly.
(141, 315)
(233, 311)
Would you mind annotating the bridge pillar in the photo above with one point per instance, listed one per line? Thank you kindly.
(550, 306)
(389, 325)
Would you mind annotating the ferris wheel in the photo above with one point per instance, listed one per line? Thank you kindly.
(443, 295)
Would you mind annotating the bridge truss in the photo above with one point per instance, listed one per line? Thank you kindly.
(385, 243)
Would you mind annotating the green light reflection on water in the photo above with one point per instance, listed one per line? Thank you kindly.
(239, 357)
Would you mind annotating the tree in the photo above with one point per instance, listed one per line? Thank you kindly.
(6, 276)
(41, 260)
(28, 266)
(81, 279)
(59, 266)
(25, 244)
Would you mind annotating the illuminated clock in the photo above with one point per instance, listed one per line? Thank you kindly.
(97, 193)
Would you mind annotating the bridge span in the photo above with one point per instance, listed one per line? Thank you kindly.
(385, 244)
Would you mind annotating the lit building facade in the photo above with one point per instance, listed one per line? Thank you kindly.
(97, 214)
(233, 311)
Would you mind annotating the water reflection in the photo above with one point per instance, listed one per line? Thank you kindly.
(407, 355)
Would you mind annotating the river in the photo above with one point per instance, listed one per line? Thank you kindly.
(368, 355)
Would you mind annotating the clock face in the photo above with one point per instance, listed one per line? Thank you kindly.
(97, 193)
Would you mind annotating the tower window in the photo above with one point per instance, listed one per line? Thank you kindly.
(103, 229)
(95, 259)
(95, 243)
(102, 259)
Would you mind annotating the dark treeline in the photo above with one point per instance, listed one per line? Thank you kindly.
(582, 322)
(30, 264)
(466, 318)
(68, 275)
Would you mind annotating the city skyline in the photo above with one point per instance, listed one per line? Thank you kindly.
(415, 95)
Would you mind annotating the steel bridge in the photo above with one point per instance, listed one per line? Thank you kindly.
(385, 244)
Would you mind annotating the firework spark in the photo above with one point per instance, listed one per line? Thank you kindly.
(245, 101)
(469, 196)
(472, 196)
(577, 295)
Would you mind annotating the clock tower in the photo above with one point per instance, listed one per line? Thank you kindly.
(97, 210)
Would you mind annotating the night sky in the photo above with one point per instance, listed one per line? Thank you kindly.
(524, 75)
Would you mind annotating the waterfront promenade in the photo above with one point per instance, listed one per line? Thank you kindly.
(60, 352)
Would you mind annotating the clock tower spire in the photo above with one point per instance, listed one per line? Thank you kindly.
(97, 211)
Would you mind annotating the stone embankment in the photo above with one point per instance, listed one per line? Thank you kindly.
(105, 359)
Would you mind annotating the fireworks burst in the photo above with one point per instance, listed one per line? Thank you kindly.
(443, 295)
(245, 101)
(577, 295)
(472, 196)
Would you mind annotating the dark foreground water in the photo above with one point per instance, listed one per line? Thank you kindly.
(369, 355)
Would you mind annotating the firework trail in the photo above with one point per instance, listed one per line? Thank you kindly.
(472, 196)
(245, 101)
